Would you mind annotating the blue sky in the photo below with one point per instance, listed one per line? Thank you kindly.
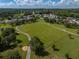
(39, 3)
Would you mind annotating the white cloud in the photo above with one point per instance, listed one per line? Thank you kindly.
(76, 0)
(67, 3)
(28, 2)
(20, 2)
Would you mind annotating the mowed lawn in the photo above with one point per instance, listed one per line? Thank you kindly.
(49, 36)
(68, 29)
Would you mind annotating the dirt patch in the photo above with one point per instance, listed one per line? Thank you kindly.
(56, 57)
(24, 48)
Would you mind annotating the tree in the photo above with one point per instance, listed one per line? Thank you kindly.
(36, 43)
(8, 38)
(37, 47)
(7, 31)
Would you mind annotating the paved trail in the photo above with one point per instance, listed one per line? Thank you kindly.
(29, 38)
(63, 30)
(66, 31)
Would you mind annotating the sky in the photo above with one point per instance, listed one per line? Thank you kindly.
(39, 3)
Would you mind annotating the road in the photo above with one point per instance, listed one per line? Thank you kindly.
(29, 38)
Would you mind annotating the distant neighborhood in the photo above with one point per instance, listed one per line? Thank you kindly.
(52, 18)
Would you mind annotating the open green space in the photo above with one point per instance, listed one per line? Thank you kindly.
(50, 36)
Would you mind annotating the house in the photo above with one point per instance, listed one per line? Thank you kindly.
(2, 22)
(77, 22)
(45, 15)
(10, 21)
(69, 20)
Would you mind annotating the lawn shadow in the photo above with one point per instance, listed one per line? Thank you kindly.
(41, 52)
(70, 36)
(68, 56)
(54, 48)
(1, 57)
(19, 41)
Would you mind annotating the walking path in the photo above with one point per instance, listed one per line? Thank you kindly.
(29, 38)
(64, 30)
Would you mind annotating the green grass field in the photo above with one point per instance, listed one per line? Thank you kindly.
(49, 36)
